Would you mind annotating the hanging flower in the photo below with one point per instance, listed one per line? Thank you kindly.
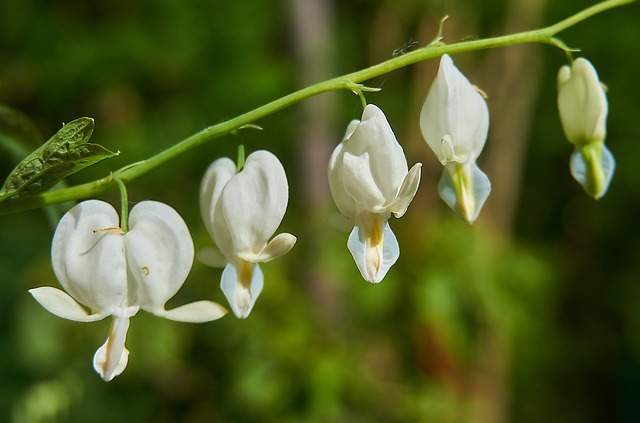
(583, 107)
(454, 121)
(116, 273)
(241, 212)
(369, 179)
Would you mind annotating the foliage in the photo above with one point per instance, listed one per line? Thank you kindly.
(554, 300)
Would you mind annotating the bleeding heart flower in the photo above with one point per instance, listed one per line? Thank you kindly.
(583, 107)
(116, 273)
(454, 121)
(241, 212)
(369, 179)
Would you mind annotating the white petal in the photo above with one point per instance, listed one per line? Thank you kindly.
(454, 107)
(242, 287)
(159, 253)
(464, 188)
(212, 257)
(280, 245)
(213, 182)
(87, 256)
(351, 128)
(407, 191)
(582, 103)
(254, 202)
(111, 358)
(345, 203)
(196, 312)
(374, 164)
(593, 166)
(374, 248)
(62, 305)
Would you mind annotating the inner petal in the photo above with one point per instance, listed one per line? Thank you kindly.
(243, 291)
(111, 358)
(373, 246)
(242, 281)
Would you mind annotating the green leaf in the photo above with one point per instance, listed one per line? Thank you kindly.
(66, 153)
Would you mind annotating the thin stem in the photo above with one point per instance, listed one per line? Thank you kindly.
(124, 205)
(240, 164)
(362, 99)
(349, 82)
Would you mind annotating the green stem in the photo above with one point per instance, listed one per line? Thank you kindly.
(362, 99)
(346, 82)
(241, 157)
(124, 206)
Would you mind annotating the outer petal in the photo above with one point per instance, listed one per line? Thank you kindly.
(111, 358)
(464, 188)
(159, 254)
(453, 107)
(242, 284)
(196, 312)
(87, 256)
(345, 203)
(280, 245)
(374, 163)
(407, 191)
(254, 202)
(582, 103)
(213, 182)
(374, 247)
(62, 305)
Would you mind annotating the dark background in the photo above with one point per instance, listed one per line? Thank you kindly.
(529, 315)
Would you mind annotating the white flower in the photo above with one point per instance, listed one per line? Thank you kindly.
(241, 211)
(116, 273)
(583, 107)
(454, 121)
(369, 180)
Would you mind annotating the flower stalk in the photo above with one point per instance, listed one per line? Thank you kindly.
(351, 82)
(124, 206)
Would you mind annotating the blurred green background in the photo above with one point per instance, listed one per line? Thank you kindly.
(530, 315)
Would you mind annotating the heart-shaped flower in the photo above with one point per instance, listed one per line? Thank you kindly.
(241, 211)
(454, 121)
(369, 179)
(116, 273)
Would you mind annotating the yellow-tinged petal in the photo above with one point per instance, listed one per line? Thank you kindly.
(242, 283)
(373, 246)
(112, 357)
(465, 188)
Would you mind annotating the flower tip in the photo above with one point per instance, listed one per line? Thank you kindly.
(373, 279)
(102, 364)
(468, 215)
(374, 248)
(242, 286)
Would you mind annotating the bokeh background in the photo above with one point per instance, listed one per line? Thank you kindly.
(529, 315)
